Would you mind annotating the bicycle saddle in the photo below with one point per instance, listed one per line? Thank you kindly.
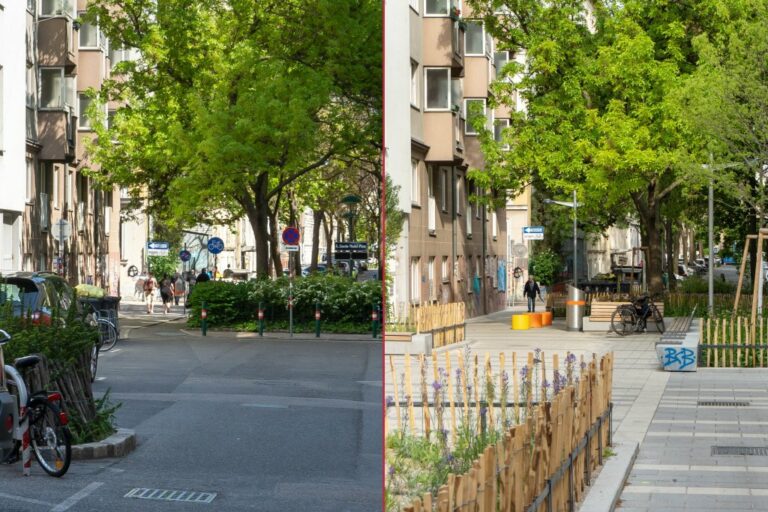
(26, 362)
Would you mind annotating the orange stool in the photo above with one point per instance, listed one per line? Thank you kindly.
(546, 318)
(535, 320)
(520, 322)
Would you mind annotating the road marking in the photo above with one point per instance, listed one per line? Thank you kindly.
(72, 500)
(266, 406)
(713, 469)
(25, 500)
(171, 495)
(705, 434)
(98, 379)
(711, 422)
(714, 491)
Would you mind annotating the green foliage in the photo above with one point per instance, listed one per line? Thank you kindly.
(343, 302)
(699, 285)
(544, 265)
(163, 265)
(101, 427)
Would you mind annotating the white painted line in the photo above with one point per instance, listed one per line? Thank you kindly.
(706, 434)
(713, 407)
(72, 500)
(713, 491)
(266, 406)
(99, 379)
(25, 500)
(711, 422)
(712, 469)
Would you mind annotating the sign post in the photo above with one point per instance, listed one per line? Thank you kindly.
(61, 231)
(215, 246)
(291, 237)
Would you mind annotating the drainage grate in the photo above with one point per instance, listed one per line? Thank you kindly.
(740, 450)
(169, 495)
(721, 403)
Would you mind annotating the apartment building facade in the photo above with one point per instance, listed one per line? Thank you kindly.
(69, 225)
(439, 64)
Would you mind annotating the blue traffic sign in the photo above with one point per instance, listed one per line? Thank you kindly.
(533, 229)
(163, 246)
(215, 245)
(291, 236)
(185, 255)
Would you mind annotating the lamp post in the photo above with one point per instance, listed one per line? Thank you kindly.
(351, 201)
(573, 205)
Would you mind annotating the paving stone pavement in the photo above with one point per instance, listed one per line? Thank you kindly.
(676, 469)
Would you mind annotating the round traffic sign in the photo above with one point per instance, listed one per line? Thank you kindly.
(291, 236)
(185, 255)
(215, 245)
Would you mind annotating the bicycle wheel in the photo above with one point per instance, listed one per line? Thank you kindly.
(94, 361)
(107, 335)
(623, 320)
(656, 315)
(50, 440)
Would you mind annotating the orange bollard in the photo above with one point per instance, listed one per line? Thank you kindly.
(546, 318)
(521, 322)
(535, 320)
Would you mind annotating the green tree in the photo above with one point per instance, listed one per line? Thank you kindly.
(602, 92)
(232, 101)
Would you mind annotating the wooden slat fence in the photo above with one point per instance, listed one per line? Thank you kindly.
(537, 441)
(446, 322)
(733, 342)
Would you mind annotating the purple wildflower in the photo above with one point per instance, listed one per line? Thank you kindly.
(524, 372)
(391, 471)
(390, 401)
(504, 376)
(483, 411)
(571, 358)
(563, 382)
(537, 352)
(437, 386)
(583, 365)
(545, 384)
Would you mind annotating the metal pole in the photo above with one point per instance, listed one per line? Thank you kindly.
(290, 307)
(575, 244)
(711, 227)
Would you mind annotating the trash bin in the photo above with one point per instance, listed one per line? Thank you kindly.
(574, 309)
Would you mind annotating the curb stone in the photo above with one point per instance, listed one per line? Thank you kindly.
(605, 491)
(119, 444)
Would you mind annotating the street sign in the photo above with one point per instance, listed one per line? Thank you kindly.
(158, 248)
(61, 230)
(291, 236)
(185, 255)
(352, 247)
(215, 245)
(291, 248)
(533, 233)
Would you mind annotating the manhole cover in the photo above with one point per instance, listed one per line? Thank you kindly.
(740, 450)
(170, 495)
(715, 403)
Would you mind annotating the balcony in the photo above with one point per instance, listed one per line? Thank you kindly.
(444, 44)
(57, 130)
(444, 134)
(56, 44)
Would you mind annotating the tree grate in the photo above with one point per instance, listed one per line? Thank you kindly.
(170, 495)
(740, 450)
(721, 403)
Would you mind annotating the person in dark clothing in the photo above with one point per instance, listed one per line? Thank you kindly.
(203, 276)
(531, 290)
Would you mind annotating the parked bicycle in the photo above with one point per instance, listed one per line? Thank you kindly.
(633, 317)
(106, 322)
(41, 412)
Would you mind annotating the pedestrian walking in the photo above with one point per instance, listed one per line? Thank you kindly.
(179, 289)
(150, 284)
(531, 290)
(203, 276)
(166, 293)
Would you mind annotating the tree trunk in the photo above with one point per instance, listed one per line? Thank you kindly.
(273, 244)
(751, 230)
(650, 222)
(317, 218)
(328, 225)
(670, 250)
(257, 213)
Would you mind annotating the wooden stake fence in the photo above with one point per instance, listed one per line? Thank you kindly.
(545, 460)
(733, 342)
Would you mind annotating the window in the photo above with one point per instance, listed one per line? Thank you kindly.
(56, 7)
(68, 189)
(30, 180)
(118, 54)
(415, 281)
(45, 179)
(457, 92)
(500, 59)
(438, 88)
(89, 35)
(473, 109)
(436, 7)
(444, 189)
(415, 199)
(478, 195)
(55, 186)
(52, 88)
(415, 84)
(111, 118)
(84, 103)
(474, 38)
(494, 225)
(457, 193)
(444, 272)
(431, 202)
(431, 278)
(469, 209)
(499, 125)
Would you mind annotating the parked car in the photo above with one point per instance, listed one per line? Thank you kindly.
(36, 294)
(321, 268)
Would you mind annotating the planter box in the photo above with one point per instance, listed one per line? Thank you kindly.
(415, 344)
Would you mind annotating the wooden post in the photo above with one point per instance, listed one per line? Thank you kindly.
(450, 397)
(409, 394)
(396, 396)
(464, 379)
(516, 399)
(757, 288)
(503, 399)
(741, 272)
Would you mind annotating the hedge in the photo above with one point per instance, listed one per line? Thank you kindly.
(341, 300)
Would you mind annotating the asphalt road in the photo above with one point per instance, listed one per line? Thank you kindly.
(265, 425)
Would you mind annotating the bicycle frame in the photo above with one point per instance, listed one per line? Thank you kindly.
(8, 408)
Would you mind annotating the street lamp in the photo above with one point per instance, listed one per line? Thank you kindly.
(351, 201)
(573, 205)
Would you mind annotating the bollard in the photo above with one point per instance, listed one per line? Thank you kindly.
(317, 320)
(261, 319)
(375, 320)
(290, 308)
(203, 317)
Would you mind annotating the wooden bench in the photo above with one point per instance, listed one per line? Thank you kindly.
(602, 311)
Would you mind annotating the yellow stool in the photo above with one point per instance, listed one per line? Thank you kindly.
(546, 318)
(520, 322)
(535, 320)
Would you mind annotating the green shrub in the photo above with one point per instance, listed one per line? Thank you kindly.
(700, 285)
(544, 265)
(342, 301)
